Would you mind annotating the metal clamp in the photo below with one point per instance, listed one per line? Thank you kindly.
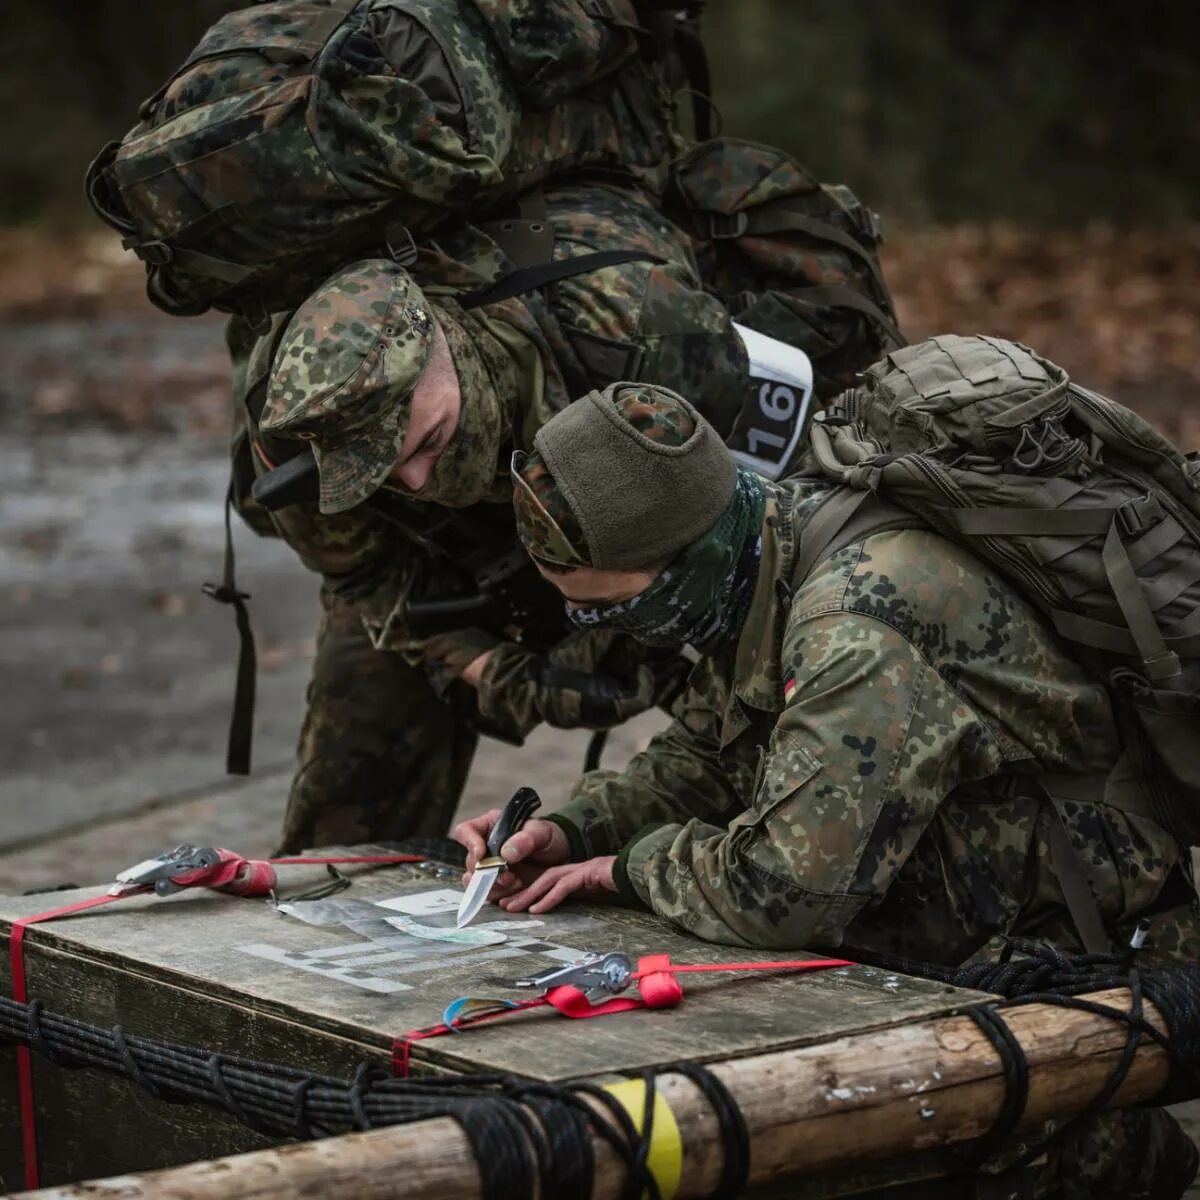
(160, 872)
(599, 976)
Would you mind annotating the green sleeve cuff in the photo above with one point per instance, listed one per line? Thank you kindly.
(578, 847)
(621, 874)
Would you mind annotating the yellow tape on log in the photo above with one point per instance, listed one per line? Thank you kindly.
(666, 1148)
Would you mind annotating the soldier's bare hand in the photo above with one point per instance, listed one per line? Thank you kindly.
(473, 671)
(591, 880)
(540, 842)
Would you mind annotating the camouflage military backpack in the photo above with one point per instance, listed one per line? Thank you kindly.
(302, 132)
(792, 258)
(1082, 504)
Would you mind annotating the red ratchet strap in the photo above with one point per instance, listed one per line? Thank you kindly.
(256, 876)
(657, 988)
(235, 874)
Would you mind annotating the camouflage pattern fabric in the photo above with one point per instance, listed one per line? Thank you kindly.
(344, 373)
(380, 756)
(793, 258)
(525, 356)
(546, 524)
(661, 324)
(592, 679)
(836, 779)
(857, 741)
(297, 135)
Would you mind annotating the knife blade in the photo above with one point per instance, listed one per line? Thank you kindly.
(517, 811)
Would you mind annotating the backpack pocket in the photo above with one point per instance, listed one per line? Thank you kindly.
(554, 50)
(792, 258)
(1168, 722)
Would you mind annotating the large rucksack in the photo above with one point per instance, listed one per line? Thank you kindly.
(792, 258)
(1082, 504)
(300, 133)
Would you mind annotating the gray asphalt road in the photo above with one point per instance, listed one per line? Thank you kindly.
(116, 673)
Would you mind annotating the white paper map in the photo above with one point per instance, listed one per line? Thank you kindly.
(402, 940)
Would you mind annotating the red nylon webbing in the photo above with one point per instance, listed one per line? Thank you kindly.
(797, 964)
(241, 876)
(657, 986)
(16, 954)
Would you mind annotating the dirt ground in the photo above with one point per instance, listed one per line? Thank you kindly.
(118, 673)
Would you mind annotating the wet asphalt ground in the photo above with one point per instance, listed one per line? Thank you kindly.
(116, 673)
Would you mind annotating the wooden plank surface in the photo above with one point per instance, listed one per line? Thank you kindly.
(321, 978)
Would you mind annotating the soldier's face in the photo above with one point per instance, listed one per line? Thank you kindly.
(433, 417)
(589, 587)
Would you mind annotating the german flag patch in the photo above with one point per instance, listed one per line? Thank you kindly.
(789, 685)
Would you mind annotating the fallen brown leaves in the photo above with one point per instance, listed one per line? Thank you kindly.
(1119, 310)
(48, 275)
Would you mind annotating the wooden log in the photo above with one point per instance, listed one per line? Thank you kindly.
(871, 1096)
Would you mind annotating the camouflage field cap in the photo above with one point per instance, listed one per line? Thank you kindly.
(621, 479)
(344, 372)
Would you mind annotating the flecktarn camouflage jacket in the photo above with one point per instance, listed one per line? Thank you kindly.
(856, 770)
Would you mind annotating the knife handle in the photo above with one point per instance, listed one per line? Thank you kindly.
(524, 803)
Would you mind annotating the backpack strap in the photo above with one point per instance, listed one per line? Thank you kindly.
(838, 295)
(1098, 790)
(529, 279)
(846, 517)
(1077, 892)
(1142, 636)
(241, 721)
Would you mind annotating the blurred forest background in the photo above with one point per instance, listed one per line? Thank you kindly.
(1034, 163)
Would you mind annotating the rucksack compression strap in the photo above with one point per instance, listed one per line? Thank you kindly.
(241, 721)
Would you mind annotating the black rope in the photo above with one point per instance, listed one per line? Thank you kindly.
(530, 1137)
(1016, 1084)
(130, 1064)
(526, 1137)
(1045, 975)
(735, 1136)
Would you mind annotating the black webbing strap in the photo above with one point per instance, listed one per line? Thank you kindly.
(694, 59)
(241, 721)
(528, 279)
(1160, 663)
(201, 264)
(1081, 902)
(845, 518)
(838, 295)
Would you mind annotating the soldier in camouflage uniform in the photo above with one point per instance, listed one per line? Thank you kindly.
(854, 762)
(415, 404)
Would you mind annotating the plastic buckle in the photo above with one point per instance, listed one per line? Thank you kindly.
(154, 254)
(873, 223)
(222, 594)
(722, 226)
(406, 255)
(1191, 470)
(1138, 515)
(835, 416)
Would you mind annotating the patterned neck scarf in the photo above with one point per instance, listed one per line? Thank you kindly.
(702, 597)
